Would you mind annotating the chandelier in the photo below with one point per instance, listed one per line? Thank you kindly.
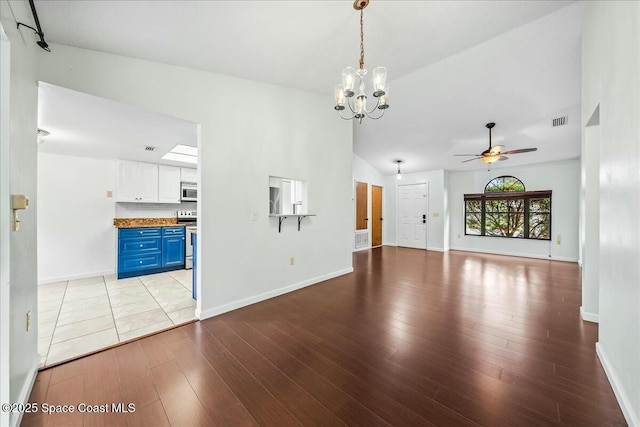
(344, 92)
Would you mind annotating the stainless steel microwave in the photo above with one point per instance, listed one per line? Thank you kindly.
(188, 192)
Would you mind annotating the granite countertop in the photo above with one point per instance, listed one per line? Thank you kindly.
(146, 222)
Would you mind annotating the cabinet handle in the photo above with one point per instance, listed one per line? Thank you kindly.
(140, 245)
(141, 232)
(140, 262)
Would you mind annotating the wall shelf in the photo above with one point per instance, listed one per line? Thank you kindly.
(282, 217)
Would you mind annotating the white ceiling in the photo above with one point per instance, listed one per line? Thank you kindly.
(88, 126)
(453, 65)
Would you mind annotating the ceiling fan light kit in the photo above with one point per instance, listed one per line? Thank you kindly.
(494, 153)
(345, 92)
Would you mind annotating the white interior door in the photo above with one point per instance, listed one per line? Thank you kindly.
(412, 216)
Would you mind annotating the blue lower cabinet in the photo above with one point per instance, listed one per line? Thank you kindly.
(140, 262)
(149, 250)
(173, 251)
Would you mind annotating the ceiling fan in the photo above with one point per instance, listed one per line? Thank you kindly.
(493, 154)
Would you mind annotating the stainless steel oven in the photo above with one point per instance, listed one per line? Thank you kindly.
(189, 219)
(188, 249)
(188, 192)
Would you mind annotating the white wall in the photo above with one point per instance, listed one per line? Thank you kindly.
(590, 260)
(563, 178)
(437, 209)
(152, 210)
(76, 237)
(611, 79)
(23, 349)
(240, 144)
(364, 172)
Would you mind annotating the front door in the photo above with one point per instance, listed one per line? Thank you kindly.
(412, 216)
(376, 215)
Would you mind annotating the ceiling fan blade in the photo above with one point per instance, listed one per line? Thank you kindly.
(503, 158)
(475, 158)
(522, 150)
(466, 155)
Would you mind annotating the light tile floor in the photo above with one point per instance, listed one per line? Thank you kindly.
(84, 315)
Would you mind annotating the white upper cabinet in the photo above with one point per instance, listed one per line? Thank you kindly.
(188, 175)
(148, 182)
(137, 182)
(169, 184)
(127, 178)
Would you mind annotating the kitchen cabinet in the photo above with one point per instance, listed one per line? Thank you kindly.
(173, 246)
(188, 175)
(137, 182)
(148, 250)
(169, 184)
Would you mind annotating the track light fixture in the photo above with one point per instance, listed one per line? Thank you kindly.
(42, 43)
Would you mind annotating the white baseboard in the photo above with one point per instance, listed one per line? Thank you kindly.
(205, 314)
(435, 249)
(16, 417)
(74, 277)
(632, 418)
(522, 255)
(589, 317)
(389, 244)
(362, 249)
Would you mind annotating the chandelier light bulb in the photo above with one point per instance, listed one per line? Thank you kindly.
(339, 94)
(348, 80)
(379, 81)
(399, 175)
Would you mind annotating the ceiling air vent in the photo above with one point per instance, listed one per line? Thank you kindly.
(150, 148)
(560, 121)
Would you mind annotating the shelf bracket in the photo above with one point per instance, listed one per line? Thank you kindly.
(300, 219)
(280, 219)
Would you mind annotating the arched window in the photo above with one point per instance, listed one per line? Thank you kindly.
(506, 209)
(503, 184)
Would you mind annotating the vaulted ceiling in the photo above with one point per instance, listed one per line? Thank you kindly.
(453, 65)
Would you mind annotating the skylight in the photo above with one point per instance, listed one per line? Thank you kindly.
(182, 153)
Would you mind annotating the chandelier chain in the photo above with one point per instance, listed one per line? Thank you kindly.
(361, 39)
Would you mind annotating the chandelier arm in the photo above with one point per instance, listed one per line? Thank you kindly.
(376, 118)
(375, 107)
(346, 118)
(350, 106)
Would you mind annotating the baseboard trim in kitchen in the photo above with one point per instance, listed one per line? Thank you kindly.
(205, 314)
(109, 347)
(76, 277)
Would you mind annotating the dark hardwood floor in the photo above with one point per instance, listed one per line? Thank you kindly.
(411, 338)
